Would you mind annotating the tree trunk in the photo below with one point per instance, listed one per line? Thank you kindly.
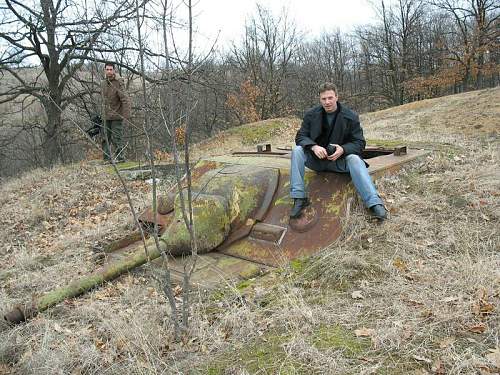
(51, 145)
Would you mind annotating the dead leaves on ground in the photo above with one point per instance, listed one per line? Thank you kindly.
(364, 332)
(41, 216)
(410, 273)
(482, 307)
(477, 328)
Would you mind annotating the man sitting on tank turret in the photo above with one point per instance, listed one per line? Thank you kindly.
(331, 139)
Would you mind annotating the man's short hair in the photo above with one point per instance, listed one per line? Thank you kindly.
(109, 63)
(327, 86)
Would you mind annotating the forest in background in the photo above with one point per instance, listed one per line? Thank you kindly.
(53, 54)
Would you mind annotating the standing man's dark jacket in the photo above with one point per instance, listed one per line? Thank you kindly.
(347, 131)
(117, 102)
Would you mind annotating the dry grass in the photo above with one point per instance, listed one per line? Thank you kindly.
(424, 287)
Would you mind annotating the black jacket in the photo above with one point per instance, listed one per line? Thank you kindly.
(346, 133)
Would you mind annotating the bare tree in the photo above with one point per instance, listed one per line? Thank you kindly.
(265, 58)
(477, 33)
(55, 38)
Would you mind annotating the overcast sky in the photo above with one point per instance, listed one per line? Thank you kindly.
(310, 16)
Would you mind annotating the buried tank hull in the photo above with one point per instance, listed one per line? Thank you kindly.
(241, 211)
(276, 239)
(268, 236)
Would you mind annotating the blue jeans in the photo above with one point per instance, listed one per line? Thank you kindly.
(351, 164)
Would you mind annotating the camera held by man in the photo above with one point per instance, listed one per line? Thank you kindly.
(95, 130)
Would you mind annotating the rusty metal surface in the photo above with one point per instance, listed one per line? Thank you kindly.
(305, 221)
(147, 219)
(329, 193)
(268, 232)
(268, 236)
(233, 179)
(238, 234)
(271, 187)
(401, 150)
(166, 203)
(380, 159)
(266, 147)
(122, 242)
(391, 163)
(214, 269)
(258, 153)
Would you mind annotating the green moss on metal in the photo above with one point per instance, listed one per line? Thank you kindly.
(336, 203)
(241, 189)
(332, 205)
(72, 290)
(259, 161)
(251, 270)
(283, 200)
(244, 199)
(211, 223)
(86, 283)
(244, 249)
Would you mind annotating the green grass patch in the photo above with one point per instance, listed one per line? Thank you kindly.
(388, 143)
(394, 364)
(264, 355)
(339, 275)
(125, 165)
(242, 285)
(339, 338)
(267, 355)
(298, 265)
(256, 133)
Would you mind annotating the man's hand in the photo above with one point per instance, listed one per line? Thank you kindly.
(337, 154)
(320, 152)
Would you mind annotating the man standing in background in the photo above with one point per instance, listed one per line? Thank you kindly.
(116, 110)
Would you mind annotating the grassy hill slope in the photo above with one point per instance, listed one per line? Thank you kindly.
(418, 294)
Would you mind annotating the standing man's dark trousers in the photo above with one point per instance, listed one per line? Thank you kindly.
(114, 132)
